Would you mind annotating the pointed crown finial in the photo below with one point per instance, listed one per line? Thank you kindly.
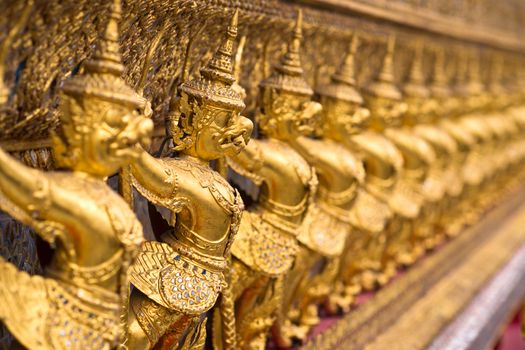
(383, 86)
(288, 74)
(439, 86)
(220, 66)
(496, 74)
(102, 72)
(415, 86)
(106, 58)
(343, 82)
(217, 76)
(387, 70)
(475, 86)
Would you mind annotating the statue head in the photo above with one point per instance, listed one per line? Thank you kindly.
(343, 111)
(382, 97)
(206, 121)
(102, 118)
(415, 92)
(286, 108)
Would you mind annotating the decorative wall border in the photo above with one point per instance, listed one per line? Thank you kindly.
(425, 21)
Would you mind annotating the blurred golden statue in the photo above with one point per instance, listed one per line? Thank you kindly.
(77, 303)
(365, 215)
(266, 245)
(432, 185)
(324, 233)
(446, 166)
(417, 156)
(385, 177)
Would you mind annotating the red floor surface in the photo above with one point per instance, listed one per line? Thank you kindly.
(512, 339)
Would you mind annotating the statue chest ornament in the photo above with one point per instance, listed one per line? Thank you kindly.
(398, 193)
(417, 153)
(327, 222)
(223, 194)
(263, 247)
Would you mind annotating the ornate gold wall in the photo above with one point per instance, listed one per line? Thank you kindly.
(44, 44)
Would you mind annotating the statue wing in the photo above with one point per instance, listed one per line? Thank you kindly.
(24, 305)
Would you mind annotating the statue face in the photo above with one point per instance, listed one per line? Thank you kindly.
(208, 131)
(385, 112)
(343, 118)
(109, 137)
(226, 135)
(419, 109)
(287, 116)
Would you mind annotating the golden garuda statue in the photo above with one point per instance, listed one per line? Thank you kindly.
(179, 278)
(447, 163)
(417, 155)
(384, 163)
(343, 118)
(78, 302)
(266, 245)
(326, 227)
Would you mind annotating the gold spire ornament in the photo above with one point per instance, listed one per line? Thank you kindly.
(288, 74)
(77, 304)
(180, 277)
(383, 86)
(415, 93)
(266, 245)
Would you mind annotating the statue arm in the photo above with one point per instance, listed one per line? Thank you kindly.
(251, 157)
(249, 162)
(309, 149)
(154, 175)
(25, 187)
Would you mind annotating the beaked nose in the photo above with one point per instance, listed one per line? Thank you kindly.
(144, 131)
(247, 126)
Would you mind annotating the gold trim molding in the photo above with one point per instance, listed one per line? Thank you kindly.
(424, 20)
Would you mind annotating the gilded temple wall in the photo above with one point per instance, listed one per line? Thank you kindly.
(44, 43)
